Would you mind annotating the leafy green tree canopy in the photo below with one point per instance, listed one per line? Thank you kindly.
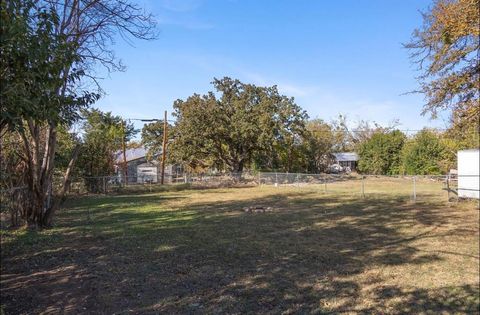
(152, 137)
(319, 141)
(423, 154)
(226, 129)
(381, 154)
(103, 134)
(38, 67)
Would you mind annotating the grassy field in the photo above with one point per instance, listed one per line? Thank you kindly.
(196, 251)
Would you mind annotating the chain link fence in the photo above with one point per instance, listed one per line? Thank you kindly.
(13, 203)
(117, 184)
(414, 187)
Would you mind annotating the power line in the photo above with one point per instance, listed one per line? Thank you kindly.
(355, 130)
(387, 130)
(149, 119)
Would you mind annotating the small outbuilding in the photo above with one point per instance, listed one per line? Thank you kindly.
(468, 162)
(141, 169)
(147, 172)
(346, 159)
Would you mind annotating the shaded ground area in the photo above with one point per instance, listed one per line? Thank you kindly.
(197, 252)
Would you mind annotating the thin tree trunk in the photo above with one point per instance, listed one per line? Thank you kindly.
(47, 166)
(47, 218)
(29, 213)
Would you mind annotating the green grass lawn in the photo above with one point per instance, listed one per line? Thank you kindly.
(196, 251)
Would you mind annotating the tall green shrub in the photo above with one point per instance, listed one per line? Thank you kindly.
(381, 154)
(423, 154)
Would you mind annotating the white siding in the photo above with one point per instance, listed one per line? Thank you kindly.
(147, 174)
(345, 156)
(468, 174)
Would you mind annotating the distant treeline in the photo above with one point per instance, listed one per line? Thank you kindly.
(245, 127)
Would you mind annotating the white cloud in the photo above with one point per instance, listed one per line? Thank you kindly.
(287, 88)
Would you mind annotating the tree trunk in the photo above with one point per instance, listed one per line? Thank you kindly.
(40, 164)
(237, 166)
(236, 169)
(48, 216)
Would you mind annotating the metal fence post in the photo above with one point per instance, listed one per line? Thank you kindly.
(447, 179)
(414, 188)
(13, 213)
(104, 186)
(325, 184)
(363, 186)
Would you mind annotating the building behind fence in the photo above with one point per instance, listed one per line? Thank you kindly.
(362, 185)
(415, 188)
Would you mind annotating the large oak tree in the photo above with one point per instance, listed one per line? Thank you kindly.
(226, 128)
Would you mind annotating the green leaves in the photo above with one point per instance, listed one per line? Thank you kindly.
(423, 154)
(446, 50)
(228, 128)
(427, 153)
(102, 138)
(381, 154)
(152, 137)
(37, 65)
(320, 141)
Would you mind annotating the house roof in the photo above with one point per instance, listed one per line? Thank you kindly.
(346, 156)
(131, 154)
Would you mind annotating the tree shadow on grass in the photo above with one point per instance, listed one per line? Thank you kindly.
(462, 299)
(307, 256)
(177, 187)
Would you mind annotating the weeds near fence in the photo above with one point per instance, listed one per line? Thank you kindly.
(198, 251)
(413, 188)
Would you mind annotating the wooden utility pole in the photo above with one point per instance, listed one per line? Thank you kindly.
(125, 172)
(164, 147)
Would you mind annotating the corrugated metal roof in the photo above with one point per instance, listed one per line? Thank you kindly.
(131, 154)
(346, 156)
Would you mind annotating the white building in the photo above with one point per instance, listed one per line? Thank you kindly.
(468, 173)
(346, 159)
(140, 169)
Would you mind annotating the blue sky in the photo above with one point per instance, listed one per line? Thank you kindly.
(334, 57)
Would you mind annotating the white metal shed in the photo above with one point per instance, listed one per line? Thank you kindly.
(147, 173)
(468, 173)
